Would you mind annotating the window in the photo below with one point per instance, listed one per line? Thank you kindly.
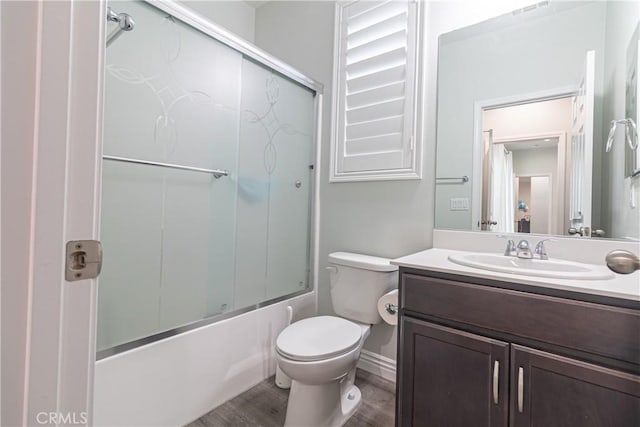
(375, 85)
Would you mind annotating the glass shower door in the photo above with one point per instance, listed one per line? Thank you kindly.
(206, 181)
(172, 97)
(274, 182)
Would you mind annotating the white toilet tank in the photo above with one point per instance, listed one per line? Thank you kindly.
(357, 282)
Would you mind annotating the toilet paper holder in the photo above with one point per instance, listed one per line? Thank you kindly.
(391, 308)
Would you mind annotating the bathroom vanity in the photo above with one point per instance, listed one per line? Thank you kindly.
(480, 349)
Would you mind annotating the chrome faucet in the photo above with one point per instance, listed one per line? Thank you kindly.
(510, 250)
(540, 251)
(523, 250)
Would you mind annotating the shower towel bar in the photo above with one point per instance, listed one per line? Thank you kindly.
(462, 179)
(217, 173)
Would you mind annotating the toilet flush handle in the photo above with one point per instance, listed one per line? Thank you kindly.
(332, 268)
(391, 308)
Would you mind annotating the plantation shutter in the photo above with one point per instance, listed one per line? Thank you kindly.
(376, 75)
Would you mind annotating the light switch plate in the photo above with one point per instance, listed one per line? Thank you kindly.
(459, 204)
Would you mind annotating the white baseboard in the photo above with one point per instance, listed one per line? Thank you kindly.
(378, 365)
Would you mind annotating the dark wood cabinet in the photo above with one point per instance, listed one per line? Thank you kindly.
(551, 390)
(478, 355)
(457, 378)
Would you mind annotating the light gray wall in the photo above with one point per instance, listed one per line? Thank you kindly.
(387, 219)
(236, 16)
(19, 41)
(482, 67)
(622, 220)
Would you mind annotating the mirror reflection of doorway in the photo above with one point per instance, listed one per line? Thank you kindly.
(533, 206)
(525, 145)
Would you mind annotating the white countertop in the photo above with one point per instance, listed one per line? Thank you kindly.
(625, 286)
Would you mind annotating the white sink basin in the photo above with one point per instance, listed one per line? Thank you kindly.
(557, 269)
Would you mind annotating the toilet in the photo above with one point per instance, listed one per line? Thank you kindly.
(320, 353)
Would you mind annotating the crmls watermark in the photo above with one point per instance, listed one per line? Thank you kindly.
(65, 418)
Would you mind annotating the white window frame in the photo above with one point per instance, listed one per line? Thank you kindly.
(414, 145)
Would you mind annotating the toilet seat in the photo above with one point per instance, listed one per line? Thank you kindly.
(318, 338)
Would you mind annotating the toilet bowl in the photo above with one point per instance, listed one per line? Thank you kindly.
(320, 349)
(320, 353)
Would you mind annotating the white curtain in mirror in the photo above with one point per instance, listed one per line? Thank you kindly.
(502, 203)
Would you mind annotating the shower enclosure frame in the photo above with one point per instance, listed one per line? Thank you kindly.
(228, 38)
(261, 57)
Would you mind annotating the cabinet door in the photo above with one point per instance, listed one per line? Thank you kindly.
(548, 390)
(451, 378)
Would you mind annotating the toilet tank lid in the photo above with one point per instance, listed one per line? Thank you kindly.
(365, 262)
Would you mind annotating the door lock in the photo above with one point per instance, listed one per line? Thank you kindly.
(83, 260)
(586, 232)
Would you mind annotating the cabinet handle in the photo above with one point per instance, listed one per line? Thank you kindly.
(520, 389)
(496, 377)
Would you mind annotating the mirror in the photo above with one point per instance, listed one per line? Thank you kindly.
(632, 154)
(525, 103)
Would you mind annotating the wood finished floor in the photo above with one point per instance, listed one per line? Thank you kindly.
(265, 405)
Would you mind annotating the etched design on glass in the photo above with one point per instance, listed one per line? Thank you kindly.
(170, 232)
(272, 126)
(166, 87)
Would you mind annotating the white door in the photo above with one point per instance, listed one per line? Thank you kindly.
(582, 147)
(60, 336)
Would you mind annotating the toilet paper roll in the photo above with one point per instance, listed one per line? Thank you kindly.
(388, 307)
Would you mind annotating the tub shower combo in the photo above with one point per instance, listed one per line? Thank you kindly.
(207, 190)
